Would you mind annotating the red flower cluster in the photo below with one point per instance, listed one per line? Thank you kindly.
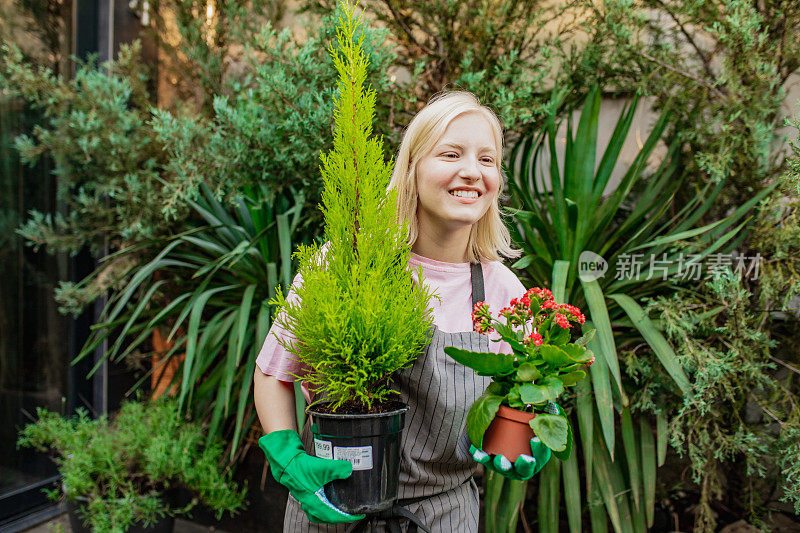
(481, 318)
(574, 311)
(535, 338)
(537, 304)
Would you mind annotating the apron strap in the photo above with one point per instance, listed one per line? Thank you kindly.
(476, 273)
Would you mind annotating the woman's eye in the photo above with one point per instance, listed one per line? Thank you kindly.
(488, 160)
(450, 154)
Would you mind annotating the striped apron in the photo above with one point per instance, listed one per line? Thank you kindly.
(435, 465)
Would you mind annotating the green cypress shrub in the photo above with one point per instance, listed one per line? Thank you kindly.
(359, 316)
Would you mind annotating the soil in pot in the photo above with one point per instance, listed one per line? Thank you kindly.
(509, 433)
(371, 442)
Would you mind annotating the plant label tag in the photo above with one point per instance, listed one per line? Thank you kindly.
(323, 449)
(359, 456)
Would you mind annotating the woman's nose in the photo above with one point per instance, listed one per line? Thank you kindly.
(470, 168)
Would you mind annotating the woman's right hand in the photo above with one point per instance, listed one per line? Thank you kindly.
(305, 475)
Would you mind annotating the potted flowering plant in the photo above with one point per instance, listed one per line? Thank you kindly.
(519, 403)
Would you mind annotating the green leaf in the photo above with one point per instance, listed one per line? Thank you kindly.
(514, 399)
(656, 341)
(494, 488)
(601, 385)
(662, 434)
(578, 353)
(648, 469)
(585, 407)
(548, 390)
(523, 262)
(566, 453)
(512, 496)
(549, 497)
(602, 481)
(629, 442)
(555, 355)
(482, 362)
(605, 336)
(197, 307)
(597, 513)
(572, 492)
(587, 336)
(559, 335)
(572, 378)
(681, 236)
(528, 372)
(480, 416)
(613, 487)
(560, 271)
(552, 430)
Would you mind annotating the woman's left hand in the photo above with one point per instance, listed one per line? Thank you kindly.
(524, 468)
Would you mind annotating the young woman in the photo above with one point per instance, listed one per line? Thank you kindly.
(449, 181)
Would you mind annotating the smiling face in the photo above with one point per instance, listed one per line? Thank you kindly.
(458, 180)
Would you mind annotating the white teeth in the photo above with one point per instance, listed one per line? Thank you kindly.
(465, 194)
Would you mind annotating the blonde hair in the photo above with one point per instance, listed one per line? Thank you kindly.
(489, 238)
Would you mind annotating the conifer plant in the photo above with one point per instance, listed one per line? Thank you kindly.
(358, 316)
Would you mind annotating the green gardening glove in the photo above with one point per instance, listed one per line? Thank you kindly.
(305, 475)
(526, 466)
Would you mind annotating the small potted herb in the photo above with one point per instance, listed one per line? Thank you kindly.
(116, 475)
(519, 403)
(359, 316)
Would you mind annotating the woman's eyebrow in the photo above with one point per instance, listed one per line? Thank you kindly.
(461, 147)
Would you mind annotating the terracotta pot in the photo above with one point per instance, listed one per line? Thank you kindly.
(509, 433)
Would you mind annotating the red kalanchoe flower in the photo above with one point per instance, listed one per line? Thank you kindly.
(535, 338)
(562, 321)
(506, 312)
(483, 327)
(590, 362)
(544, 294)
(549, 304)
(482, 318)
(481, 310)
(574, 311)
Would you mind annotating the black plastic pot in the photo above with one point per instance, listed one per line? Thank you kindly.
(165, 525)
(372, 443)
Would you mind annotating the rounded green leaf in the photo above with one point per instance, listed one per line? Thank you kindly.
(480, 416)
(564, 454)
(579, 354)
(555, 355)
(528, 372)
(559, 335)
(514, 399)
(572, 378)
(552, 430)
(548, 390)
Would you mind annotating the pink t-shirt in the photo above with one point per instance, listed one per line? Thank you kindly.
(453, 313)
